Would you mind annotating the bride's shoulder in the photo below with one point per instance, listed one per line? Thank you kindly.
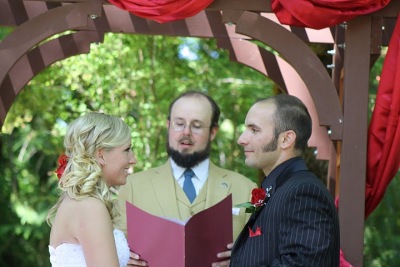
(86, 208)
(85, 203)
(91, 207)
(91, 201)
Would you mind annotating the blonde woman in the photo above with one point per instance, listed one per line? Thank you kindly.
(97, 158)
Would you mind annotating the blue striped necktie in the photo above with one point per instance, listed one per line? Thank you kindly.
(188, 186)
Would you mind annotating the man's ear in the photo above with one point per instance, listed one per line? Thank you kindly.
(213, 133)
(168, 124)
(288, 139)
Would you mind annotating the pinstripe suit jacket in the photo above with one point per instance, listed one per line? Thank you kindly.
(299, 224)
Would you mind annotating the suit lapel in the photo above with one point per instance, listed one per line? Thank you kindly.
(217, 186)
(245, 232)
(163, 183)
(295, 166)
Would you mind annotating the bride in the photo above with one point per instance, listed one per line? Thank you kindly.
(97, 157)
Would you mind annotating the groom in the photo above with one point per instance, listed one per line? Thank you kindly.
(297, 225)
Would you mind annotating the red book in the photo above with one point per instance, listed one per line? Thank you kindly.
(167, 242)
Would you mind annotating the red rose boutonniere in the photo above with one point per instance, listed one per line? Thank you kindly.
(62, 164)
(258, 196)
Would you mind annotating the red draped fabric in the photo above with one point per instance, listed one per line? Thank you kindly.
(383, 155)
(318, 14)
(162, 10)
(384, 131)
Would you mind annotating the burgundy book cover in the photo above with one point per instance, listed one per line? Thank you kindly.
(168, 242)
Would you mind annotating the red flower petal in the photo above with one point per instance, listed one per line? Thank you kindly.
(62, 164)
(258, 196)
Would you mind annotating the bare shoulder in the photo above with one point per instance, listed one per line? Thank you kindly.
(91, 206)
(91, 202)
(85, 210)
(83, 204)
(76, 215)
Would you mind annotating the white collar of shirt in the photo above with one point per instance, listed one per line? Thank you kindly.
(200, 172)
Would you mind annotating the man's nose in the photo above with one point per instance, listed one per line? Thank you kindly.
(241, 140)
(187, 130)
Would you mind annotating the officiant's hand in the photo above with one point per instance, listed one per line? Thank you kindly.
(135, 260)
(225, 256)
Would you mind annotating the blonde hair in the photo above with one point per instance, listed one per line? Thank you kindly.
(83, 176)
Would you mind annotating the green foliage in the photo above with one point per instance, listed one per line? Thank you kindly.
(4, 31)
(382, 227)
(134, 77)
(382, 230)
(374, 83)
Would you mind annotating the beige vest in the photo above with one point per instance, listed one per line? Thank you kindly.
(187, 209)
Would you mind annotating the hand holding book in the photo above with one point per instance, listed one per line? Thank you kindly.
(197, 242)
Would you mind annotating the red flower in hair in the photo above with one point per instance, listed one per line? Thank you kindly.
(62, 164)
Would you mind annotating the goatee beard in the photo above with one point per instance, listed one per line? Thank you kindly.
(188, 160)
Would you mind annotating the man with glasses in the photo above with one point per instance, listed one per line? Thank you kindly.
(188, 182)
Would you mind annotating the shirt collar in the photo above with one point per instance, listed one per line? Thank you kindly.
(200, 170)
(270, 179)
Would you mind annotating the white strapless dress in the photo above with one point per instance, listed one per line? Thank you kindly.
(71, 255)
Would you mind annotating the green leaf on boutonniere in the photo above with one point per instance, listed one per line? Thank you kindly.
(248, 206)
(258, 196)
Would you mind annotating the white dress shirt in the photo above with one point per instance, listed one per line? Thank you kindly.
(200, 173)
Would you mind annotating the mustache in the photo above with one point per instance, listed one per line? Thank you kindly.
(186, 139)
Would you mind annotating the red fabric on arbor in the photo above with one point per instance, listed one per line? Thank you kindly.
(162, 10)
(384, 132)
(383, 154)
(318, 14)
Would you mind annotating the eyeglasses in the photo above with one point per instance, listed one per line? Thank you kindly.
(195, 127)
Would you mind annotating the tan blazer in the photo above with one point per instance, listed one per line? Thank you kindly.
(157, 192)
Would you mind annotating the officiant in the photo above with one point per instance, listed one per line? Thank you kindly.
(188, 182)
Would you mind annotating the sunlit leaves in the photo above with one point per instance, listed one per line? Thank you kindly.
(134, 77)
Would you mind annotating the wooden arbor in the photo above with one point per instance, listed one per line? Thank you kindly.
(340, 100)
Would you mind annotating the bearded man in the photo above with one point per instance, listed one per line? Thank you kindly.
(192, 125)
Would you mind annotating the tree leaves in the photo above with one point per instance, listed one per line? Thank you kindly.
(131, 76)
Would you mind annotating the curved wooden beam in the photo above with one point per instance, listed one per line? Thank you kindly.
(283, 74)
(255, 57)
(43, 56)
(304, 61)
(34, 31)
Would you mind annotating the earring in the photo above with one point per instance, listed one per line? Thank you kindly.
(104, 163)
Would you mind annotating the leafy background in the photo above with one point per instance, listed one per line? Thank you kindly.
(135, 77)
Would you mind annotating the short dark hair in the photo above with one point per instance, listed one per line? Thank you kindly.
(215, 109)
(291, 114)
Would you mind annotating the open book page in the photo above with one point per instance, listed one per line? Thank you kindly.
(169, 242)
